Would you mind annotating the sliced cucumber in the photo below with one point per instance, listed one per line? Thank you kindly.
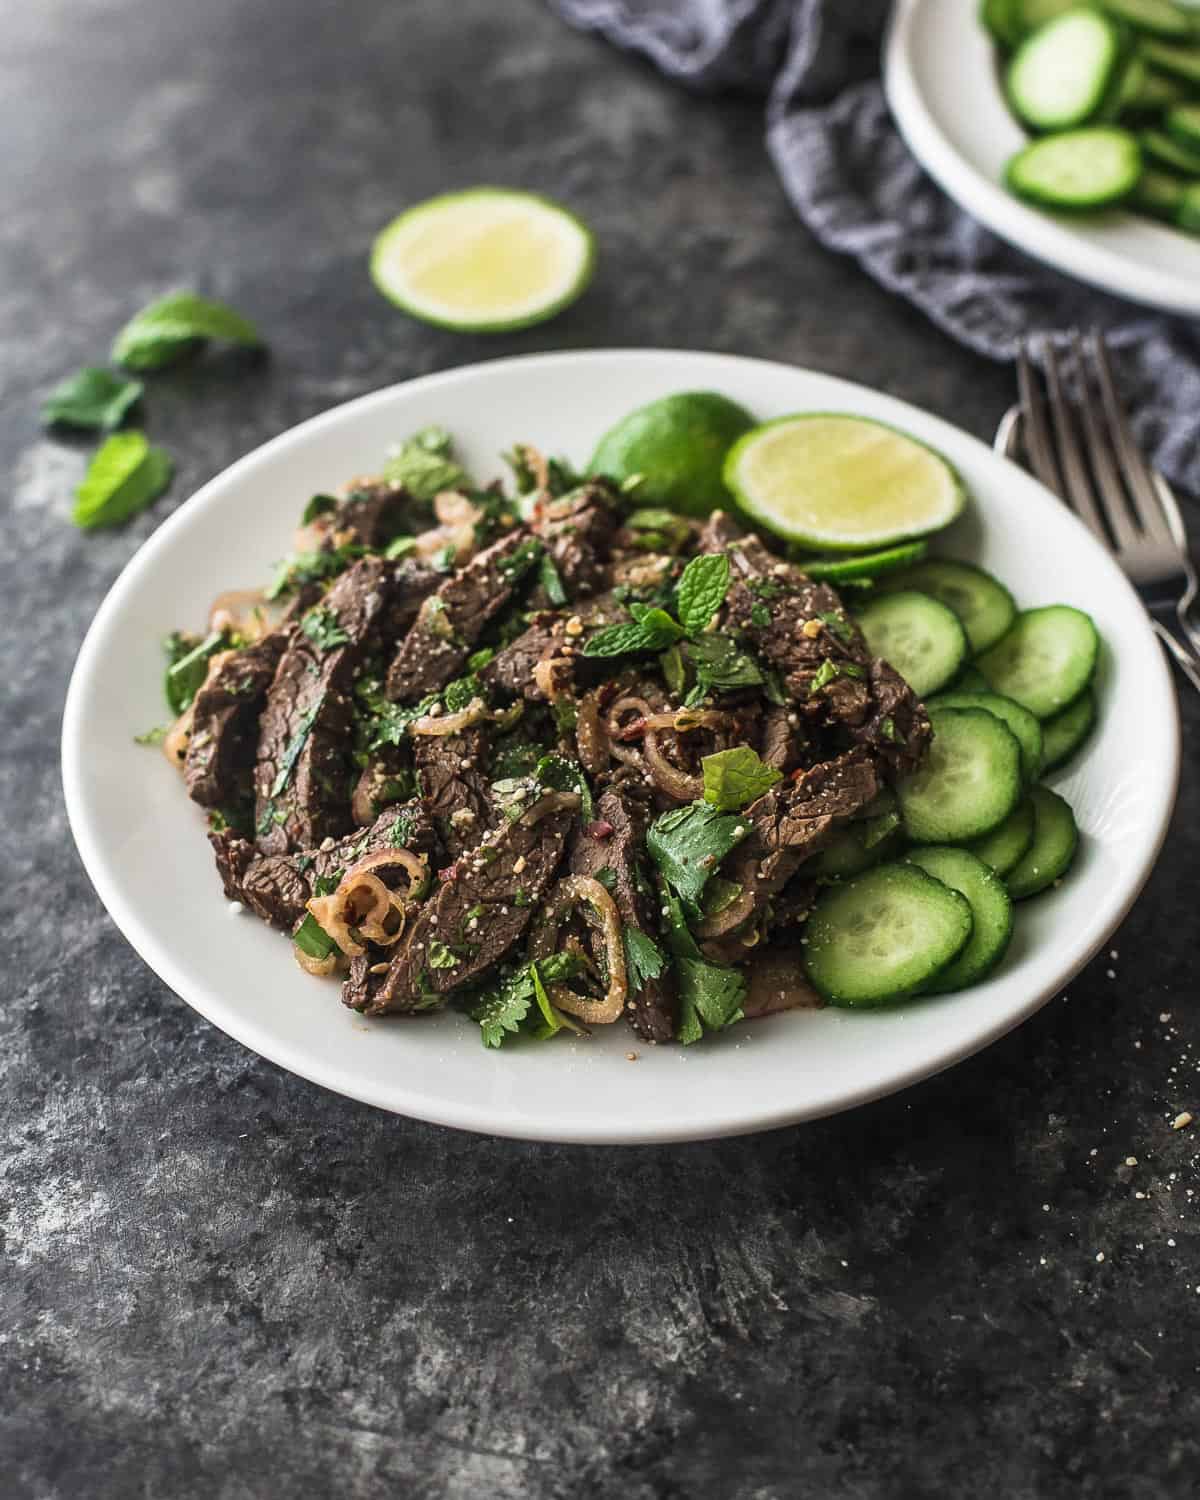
(1179, 62)
(1055, 840)
(1160, 147)
(921, 638)
(1154, 17)
(1025, 728)
(1157, 92)
(1060, 76)
(968, 783)
(1183, 125)
(1045, 661)
(1123, 93)
(1188, 217)
(983, 604)
(852, 852)
(1008, 844)
(1078, 169)
(991, 912)
(1000, 18)
(1160, 195)
(970, 680)
(1030, 14)
(884, 935)
(865, 565)
(1066, 731)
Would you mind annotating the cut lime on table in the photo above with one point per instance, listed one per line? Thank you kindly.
(841, 482)
(483, 261)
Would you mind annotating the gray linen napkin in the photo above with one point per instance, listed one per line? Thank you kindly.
(854, 183)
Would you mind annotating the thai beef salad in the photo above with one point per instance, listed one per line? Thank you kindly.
(560, 758)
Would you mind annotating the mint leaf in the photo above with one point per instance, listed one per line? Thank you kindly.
(649, 630)
(644, 959)
(701, 590)
(657, 530)
(92, 398)
(710, 995)
(689, 844)
(735, 778)
(721, 663)
(187, 669)
(424, 464)
(125, 475)
(173, 325)
(551, 581)
(562, 774)
(672, 668)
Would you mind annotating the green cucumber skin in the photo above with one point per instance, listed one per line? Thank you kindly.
(983, 605)
(1043, 698)
(951, 639)
(1183, 125)
(1055, 845)
(930, 816)
(1024, 174)
(1159, 147)
(1067, 732)
(1005, 847)
(991, 912)
(1024, 727)
(1059, 33)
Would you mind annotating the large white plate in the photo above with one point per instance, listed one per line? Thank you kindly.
(944, 91)
(144, 848)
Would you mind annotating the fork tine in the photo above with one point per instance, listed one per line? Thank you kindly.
(1037, 433)
(1100, 451)
(1079, 494)
(1139, 479)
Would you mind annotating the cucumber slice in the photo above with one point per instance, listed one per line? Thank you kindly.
(1157, 92)
(1008, 844)
(1078, 169)
(983, 604)
(1160, 195)
(1188, 217)
(1060, 76)
(968, 783)
(1160, 147)
(970, 680)
(1154, 17)
(991, 912)
(851, 852)
(884, 935)
(1055, 840)
(1025, 728)
(1127, 85)
(921, 638)
(866, 565)
(1000, 18)
(1179, 62)
(1183, 125)
(1030, 14)
(1045, 661)
(1065, 732)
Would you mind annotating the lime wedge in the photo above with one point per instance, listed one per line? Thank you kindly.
(483, 261)
(841, 483)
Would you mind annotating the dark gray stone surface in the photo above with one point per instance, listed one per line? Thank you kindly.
(220, 1281)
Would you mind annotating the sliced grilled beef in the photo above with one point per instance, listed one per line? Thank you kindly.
(220, 757)
(375, 512)
(577, 531)
(514, 668)
(451, 776)
(277, 886)
(302, 778)
(896, 727)
(612, 842)
(479, 911)
(799, 817)
(451, 621)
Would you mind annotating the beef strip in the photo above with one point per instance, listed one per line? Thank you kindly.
(276, 887)
(219, 765)
(451, 621)
(512, 668)
(896, 727)
(375, 512)
(302, 778)
(577, 530)
(613, 842)
(451, 776)
(479, 911)
(799, 817)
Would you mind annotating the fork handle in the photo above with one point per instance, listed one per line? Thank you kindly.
(1180, 654)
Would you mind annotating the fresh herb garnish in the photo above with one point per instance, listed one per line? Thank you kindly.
(657, 530)
(513, 568)
(312, 939)
(153, 736)
(735, 778)
(829, 671)
(92, 398)
(291, 755)
(402, 831)
(607, 877)
(300, 568)
(399, 546)
(324, 629)
(562, 774)
(674, 673)
(439, 956)
(644, 959)
(125, 475)
(648, 630)
(760, 616)
(424, 465)
(838, 625)
(551, 580)
(887, 728)
(688, 845)
(378, 721)
(458, 694)
(444, 558)
(173, 326)
(187, 667)
(319, 505)
(501, 1013)
(479, 659)
(701, 591)
(723, 664)
(710, 995)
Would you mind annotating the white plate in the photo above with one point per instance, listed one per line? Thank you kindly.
(143, 843)
(944, 91)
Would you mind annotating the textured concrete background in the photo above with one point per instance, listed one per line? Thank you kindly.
(221, 1281)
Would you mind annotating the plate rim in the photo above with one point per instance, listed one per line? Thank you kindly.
(1034, 232)
(483, 1119)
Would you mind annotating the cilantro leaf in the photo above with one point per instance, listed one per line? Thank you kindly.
(125, 475)
(710, 995)
(323, 628)
(173, 325)
(649, 630)
(291, 755)
(319, 505)
(501, 1013)
(721, 663)
(701, 591)
(312, 939)
(153, 736)
(551, 580)
(829, 671)
(644, 959)
(188, 667)
(92, 398)
(440, 956)
(458, 694)
(299, 568)
(424, 464)
(735, 778)
(689, 843)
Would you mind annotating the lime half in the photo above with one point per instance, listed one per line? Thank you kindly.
(841, 482)
(483, 261)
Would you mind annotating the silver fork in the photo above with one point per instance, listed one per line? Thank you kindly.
(1107, 482)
